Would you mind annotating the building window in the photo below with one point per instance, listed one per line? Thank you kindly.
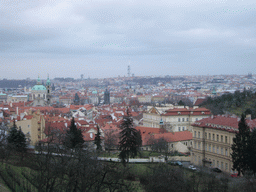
(191, 143)
(196, 119)
(213, 137)
(172, 145)
(179, 120)
(226, 152)
(221, 151)
(205, 147)
(210, 148)
(28, 126)
(217, 150)
(213, 148)
(183, 128)
(221, 138)
(209, 135)
(226, 167)
(195, 144)
(218, 164)
(187, 119)
(194, 133)
(199, 145)
(199, 134)
(179, 128)
(183, 119)
(226, 139)
(217, 137)
(205, 135)
(195, 158)
(213, 163)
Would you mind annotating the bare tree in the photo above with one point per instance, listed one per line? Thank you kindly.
(111, 139)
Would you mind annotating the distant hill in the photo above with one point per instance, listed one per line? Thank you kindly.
(16, 83)
(236, 103)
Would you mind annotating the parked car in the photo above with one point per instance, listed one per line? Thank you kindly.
(234, 175)
(192, 167)
(179, 163)
(217, 170)
(176, 163)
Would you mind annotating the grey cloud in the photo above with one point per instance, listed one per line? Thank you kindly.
(180, 33)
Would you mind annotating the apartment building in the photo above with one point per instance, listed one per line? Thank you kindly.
(212, 141)
(176, 119)
(33, 126)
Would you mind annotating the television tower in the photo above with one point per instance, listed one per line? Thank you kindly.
(129, 70)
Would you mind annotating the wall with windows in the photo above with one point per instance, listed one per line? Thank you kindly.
(213, 146)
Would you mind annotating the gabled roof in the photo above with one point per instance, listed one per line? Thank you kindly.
(153, 110)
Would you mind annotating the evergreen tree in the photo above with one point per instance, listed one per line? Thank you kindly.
(74, 138)
(17, 140)
(130, 139)
(181, 102)
(251, 151)
(97, 139)
(240, 146)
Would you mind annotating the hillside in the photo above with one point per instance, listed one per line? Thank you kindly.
(236, 103)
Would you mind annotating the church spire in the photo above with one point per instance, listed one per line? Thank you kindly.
(48, 82)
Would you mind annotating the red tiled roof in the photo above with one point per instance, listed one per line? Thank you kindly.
(148, 130)
(169, 137)
(199, 101)
(223, 122)
(185, 111)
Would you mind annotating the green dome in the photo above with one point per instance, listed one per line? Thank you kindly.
(2, 93)
(94, 92)
(39, 88)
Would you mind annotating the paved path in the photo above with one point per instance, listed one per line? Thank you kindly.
(133, 160)
(2, 187)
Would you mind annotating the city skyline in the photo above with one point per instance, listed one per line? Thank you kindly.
(101, 38)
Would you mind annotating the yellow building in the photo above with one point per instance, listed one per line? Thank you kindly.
(212, 141)
(177, 119)
(33, 126)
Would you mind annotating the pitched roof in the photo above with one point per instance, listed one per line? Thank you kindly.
(199, 101)
(187, 111)
(227, 123)
(169, 137)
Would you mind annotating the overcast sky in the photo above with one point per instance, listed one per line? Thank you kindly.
(100, 38)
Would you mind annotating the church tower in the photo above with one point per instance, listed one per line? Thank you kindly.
(107, 97)
(48, 94)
